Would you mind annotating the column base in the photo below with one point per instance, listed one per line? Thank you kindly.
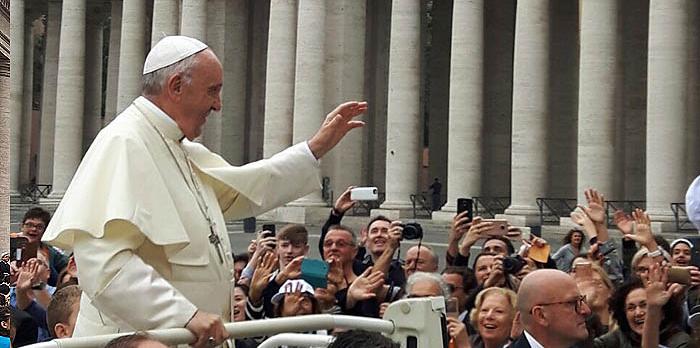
(15, 198)
(662, 220)
(312, 215)
(393, 214)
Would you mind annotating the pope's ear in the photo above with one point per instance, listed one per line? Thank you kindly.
(174, 86)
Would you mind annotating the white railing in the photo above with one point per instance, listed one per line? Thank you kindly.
(417, 322)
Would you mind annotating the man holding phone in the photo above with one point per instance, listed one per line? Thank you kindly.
(378, 243)
(33, 226)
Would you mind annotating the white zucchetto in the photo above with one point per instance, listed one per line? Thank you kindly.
(170, 50)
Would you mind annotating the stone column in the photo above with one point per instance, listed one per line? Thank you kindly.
(216, 31)
(48, 106)
(166, 19)
(530, 101)
(309, 87)
(404, 126)
(69, 96)
(667, 97)
(93, 75)
(194, 19)
(279, 81)
(345, 80)
(132, 53)
(466, 108)
(17, 24)
(113, 61)
(4, 151)
(600, 85)
(27, 98)
(234, 95)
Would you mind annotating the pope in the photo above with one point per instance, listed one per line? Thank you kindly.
(145, 212)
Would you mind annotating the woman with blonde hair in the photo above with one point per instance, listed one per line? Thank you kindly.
(493, 317)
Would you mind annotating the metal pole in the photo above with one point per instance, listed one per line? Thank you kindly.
(254, 328)
(298, 340)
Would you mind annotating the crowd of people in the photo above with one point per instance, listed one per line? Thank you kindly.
(609, 294)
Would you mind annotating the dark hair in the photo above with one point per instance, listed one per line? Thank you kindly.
(672, 311)
(37, 213)
(241, 257)
(294, 233)
(243, 288)
(362, 338)
(130, 341)
(662, 242)
(468, 276)
(478, 256)
(377, 218)
(61, 306)
(315, 306)
(509, 244)
(570, 234)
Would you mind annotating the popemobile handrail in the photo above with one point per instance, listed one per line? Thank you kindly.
(253, 328)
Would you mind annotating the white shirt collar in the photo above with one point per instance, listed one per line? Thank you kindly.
(532, 341)
(162, 121)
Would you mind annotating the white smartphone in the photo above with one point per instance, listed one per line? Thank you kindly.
(364, 194)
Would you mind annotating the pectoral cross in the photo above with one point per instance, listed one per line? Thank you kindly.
(216, 241)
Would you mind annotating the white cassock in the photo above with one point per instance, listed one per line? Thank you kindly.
(137, 217)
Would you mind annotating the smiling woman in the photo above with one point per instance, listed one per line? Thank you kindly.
(493, 316)
(629, 308)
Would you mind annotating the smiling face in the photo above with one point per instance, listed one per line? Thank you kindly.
(681, 255)
(197, 99)
(238, 304)
(636, 309)
(378, 237)
(495, 317)
(33, 229)
(576, 239)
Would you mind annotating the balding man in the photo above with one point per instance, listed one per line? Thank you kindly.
(145, 213)
(421, 259)
(552, 311)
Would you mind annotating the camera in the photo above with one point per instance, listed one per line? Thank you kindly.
(412, 230)
(513, 264)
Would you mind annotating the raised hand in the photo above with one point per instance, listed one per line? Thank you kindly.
(292, 270)
(579, 217)
(337, 123)
(658, 293)
(27, 273)
(261, 276)
(459, 227)
(343, 203)
(497, 276)
(596, 204)
(623, 222)
(642, 230)
(458, 331)
(395, 234)
(335, 274)
(364, 287)
(476, 231)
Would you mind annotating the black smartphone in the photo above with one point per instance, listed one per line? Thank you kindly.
(21, 250)
(269, 227)
(466, 204)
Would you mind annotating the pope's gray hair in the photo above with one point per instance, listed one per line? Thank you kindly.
(430, 277)
(154, 82)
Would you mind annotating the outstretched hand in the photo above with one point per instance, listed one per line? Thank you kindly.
(364, 287)
(596, 203)
(337, 123)
(343, 203)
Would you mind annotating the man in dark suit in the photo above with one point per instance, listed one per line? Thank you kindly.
(552, 311)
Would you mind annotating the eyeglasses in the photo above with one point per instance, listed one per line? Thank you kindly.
(339, 244)
(33, 225)
(578, 303)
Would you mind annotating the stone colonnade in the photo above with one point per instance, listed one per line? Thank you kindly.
(495, 98)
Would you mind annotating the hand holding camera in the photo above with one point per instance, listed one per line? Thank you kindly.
(395, 234)
(344, 202)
